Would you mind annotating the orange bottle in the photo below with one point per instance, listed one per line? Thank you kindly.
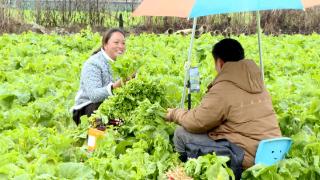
(93, 135)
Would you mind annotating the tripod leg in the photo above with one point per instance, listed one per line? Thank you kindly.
(189, 101)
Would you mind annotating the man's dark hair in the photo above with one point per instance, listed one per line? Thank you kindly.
(228, 50)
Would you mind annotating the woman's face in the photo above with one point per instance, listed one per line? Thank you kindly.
(115, 46)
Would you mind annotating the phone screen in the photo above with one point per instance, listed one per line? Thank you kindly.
(194, 79)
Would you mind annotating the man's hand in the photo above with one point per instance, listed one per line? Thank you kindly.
(169, 116)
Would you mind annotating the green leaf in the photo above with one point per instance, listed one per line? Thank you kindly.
(71, 170)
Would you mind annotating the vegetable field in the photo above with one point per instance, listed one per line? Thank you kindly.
(39, 77)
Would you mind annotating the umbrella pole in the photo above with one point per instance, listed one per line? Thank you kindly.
(187, 68)
(260, 46)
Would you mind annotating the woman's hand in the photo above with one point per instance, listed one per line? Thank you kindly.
(118, 83)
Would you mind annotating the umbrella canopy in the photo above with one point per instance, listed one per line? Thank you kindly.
(196, 8)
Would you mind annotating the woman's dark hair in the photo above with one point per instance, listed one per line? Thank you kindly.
(106, 36)
(228, 50)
